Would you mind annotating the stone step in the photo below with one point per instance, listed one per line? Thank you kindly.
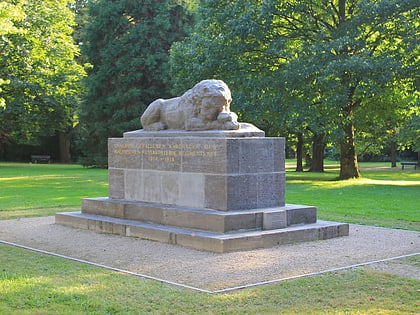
(204, 240)
(201, 219)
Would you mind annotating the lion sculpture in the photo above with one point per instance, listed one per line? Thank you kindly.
(204, 107)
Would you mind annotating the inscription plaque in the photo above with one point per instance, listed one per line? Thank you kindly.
(274, 220)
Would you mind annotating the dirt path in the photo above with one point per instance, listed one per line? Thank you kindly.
(213, 271)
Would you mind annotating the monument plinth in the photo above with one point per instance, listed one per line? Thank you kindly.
(212, 190)
(199, 172)
(196, 177)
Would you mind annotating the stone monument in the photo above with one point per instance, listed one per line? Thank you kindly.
(196, 177)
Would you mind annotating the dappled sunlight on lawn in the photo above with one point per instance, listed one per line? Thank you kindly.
(367, 181)
(370, 176)
(32, 178)
(328, 184)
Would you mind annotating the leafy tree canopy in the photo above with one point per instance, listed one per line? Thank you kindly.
(128, 43)
(326, 66)
(39, 78)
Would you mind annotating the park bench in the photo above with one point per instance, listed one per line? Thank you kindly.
(40, 158)
(409, 163)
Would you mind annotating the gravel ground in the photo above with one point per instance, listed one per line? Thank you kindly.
(214, 271)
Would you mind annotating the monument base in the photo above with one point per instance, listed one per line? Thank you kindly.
(213, 190)
(209, 230)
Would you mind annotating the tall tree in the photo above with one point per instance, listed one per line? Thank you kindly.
(10, 15)
(320, 64)
(409, 133)
(382, 122)
(356, 52)
(128, 43)
(67, 134)
(37, 64)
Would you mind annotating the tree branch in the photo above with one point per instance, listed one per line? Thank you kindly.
(335, 11)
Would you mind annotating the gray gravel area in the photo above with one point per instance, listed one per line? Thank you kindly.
(214, 271)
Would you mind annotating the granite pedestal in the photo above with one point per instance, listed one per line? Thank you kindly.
(218, 191)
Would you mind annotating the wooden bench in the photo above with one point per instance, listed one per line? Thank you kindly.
(409, 163)
(40, 158)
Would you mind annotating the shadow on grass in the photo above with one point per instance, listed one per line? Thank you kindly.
(312, 176)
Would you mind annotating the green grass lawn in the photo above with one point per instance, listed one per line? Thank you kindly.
(44, 189)
(32, 283)
(383, 196)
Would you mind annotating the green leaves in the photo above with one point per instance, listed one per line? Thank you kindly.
(37, 63)
(312, 65)
(128, 43)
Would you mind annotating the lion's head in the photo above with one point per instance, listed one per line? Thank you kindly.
(207, 99)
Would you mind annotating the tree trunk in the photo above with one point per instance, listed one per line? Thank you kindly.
(342, 11)
(348, 159)
(2, 149)
(64, 146)
(299, 153)
(308, 160)
(393, 154)
(318, 147)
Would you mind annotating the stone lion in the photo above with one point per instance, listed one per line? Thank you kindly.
(204, 107)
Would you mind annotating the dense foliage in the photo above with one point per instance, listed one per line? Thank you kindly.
(341, 74)
(335, 69)
(39, 77)
(128, 43)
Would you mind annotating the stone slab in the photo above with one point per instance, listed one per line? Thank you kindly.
(208, 241)
(274, 220)
(201, 219)
(245, 130)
